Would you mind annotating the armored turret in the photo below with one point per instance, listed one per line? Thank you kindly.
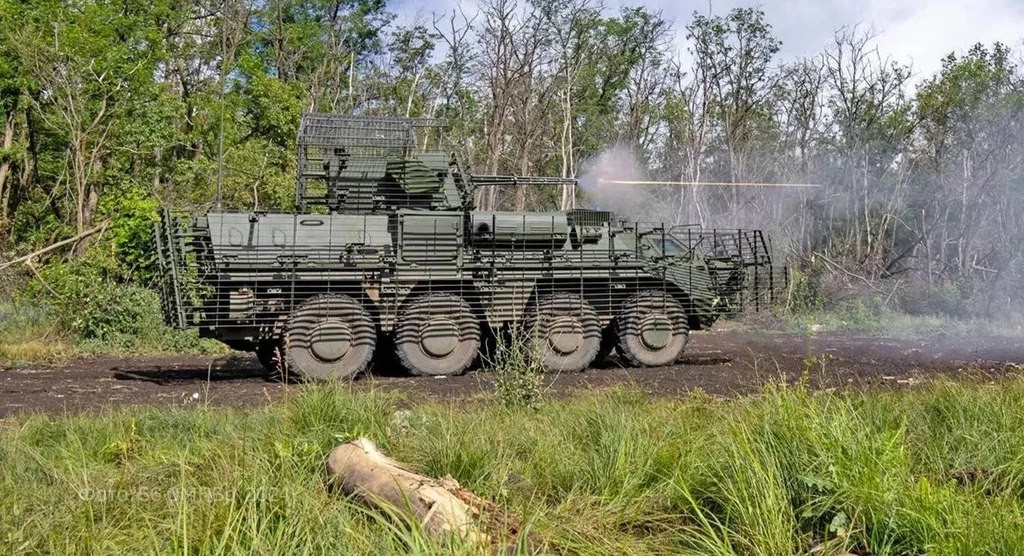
(368, 165)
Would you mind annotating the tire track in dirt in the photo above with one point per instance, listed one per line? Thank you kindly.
(724, 362)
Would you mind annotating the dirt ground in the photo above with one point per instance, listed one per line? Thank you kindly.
(724, 362)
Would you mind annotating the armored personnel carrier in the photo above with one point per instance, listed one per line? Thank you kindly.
(386, 252)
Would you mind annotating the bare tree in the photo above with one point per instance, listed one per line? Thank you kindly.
(456, 67)
(688, 128)
(502, 67)
(647, 43)
(869, 115)
(573, 24)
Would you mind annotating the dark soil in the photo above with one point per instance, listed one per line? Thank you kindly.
(724, 362)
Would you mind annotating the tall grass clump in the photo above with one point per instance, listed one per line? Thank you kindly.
(28, 334)
(517, 368)
(936, 470)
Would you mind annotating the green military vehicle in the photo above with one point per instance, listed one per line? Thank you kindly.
(385, 252)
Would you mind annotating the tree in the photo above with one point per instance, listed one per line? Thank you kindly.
(89, 65)
(736, 52)
(574, 24)
(971, 120)
(871, 126)
(12, 94)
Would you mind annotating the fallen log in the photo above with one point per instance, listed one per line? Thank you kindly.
(441, 506)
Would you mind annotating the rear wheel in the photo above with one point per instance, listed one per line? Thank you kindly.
(652, 329)
(437, 335)
(329, 337)
(566, 332)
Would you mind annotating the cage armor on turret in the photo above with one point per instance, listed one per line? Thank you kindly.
(385, 254)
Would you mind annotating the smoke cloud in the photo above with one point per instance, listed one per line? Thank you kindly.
(708, 206)
(627, 201)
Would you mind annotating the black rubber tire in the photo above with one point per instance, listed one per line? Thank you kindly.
(352, 328)
(609, 341)
(270, 356)
(438, 311)
(636, 317)
(561, 310)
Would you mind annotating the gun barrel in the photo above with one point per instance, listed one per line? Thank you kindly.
(519, 180)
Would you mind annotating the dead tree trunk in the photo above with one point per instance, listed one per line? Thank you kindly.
(5, 167)
(440, 506)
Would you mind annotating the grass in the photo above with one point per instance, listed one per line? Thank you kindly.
(937, 470)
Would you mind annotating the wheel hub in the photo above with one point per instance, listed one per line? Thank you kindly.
(439, 337)
(565, 335)
(330, 340)
(655, 331)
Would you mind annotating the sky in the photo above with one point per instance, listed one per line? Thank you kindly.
(915, 32)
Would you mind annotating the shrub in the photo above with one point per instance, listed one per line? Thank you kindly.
(806, 293)
(518, 370)
(101, 313)
(117, 310)
(946, 299)
(862, 314)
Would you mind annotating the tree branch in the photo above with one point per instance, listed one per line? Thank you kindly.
(28, 258)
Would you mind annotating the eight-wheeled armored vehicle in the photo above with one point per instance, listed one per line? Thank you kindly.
(385, 250)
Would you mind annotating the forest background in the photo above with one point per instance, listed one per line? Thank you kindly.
(110, 111)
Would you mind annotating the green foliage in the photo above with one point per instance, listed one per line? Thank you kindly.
(806, 293)
(947, 299)
(116, 311)
(87, 303)
(93, 305)
(133, 213)
(272, 106)
(862, 314)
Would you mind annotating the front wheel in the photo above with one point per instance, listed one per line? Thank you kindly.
(652, 329)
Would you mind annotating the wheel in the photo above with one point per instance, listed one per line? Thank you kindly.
(269, 356)
(437, 335)
(329, 337)
(566, 332)
(652, 329)
(608, 341)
